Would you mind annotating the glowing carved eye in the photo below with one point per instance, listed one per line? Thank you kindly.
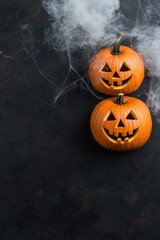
(111, 117)
(106, 68)
(124, 68)
(131, 116)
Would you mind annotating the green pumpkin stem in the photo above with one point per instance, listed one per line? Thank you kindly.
(116, 47)
(120, 99)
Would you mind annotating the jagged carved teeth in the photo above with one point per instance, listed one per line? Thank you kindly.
(115, 83)
(121, 138)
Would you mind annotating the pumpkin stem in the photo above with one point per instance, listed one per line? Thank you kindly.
(120, 99)
(116, 47)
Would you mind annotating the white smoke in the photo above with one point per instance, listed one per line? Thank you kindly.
(149, 48)
(80, 23)
(93, 24)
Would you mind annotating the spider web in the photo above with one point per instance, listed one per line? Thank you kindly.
(143, 33)
(81, 80)
(63, 36)
(142, 30)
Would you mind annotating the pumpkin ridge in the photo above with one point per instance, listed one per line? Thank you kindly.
(133, 134)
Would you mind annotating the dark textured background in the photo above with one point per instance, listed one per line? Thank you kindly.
(56, 182)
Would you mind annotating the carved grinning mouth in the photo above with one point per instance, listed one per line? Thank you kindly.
(115, 83)
(122, 139)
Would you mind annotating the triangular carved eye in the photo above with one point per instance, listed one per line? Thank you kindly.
(106, 68)
(111, 117)
(124, 68)
(131, 116)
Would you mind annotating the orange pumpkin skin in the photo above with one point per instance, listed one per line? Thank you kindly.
(121, 127)
(120, 73)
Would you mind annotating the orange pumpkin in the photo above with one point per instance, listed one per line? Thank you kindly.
(121, 124)
(116, 70)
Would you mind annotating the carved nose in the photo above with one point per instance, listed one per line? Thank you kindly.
(120, 124)
(115, 75)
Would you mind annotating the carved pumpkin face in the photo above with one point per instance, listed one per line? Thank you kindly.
(121, 127)
(112, 73)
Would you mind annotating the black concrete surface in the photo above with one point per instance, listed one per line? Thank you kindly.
(56, 182)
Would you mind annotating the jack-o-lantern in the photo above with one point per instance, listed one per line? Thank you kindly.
(121, 124)
(116, 70)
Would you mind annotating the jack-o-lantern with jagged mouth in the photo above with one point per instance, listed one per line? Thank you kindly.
(116, 70)
(121, 124)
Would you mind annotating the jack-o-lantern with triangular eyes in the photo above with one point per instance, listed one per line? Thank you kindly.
(121, 124)
(116, 70)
